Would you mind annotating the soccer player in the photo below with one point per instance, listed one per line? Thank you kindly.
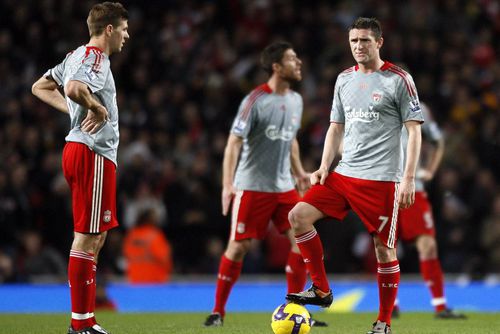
(416, 224)
(371, 103)
(89, 156)
(261, 154)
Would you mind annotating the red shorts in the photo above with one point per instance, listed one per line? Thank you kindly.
(92, 180)
(417, 219)
(253, 210)
(375, 202)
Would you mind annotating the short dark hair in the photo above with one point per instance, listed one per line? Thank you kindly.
(273, 53)
(369, 23)
(103, 14)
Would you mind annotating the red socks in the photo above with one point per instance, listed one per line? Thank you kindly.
(82, 288)
(229, 271)
(311, 248)
(433, 277)
(388, 280)
(295, 272)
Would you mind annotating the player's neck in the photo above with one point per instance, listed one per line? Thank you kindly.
(371, 67)
(278, 86)
(100, 43)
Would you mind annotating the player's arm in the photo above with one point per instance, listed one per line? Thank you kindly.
(436, 155)
(231, 154)
(47, 90)
(80, 93)
(333, 139)
(301, 176)
(406, 195)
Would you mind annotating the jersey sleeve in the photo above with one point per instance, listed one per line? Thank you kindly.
(430, 129)
(93, 71)
(242, 124)
(337, 113)
(409, 105)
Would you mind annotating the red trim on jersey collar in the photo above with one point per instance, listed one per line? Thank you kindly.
(265, 87)
(95, 48)
(386, 66)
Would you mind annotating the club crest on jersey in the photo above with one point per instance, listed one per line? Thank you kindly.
(377, 97)
(240, 227)
(415, 106)
(107, 216)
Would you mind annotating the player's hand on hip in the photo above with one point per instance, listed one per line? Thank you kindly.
(319, 176)
(406, 194)
(95, 119)
(228, 193)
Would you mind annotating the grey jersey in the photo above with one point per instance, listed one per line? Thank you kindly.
(430, 132)
(268, 123)
(92, 67)
(373, 107)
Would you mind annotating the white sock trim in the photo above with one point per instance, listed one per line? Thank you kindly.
(82, 316)
(438, 301)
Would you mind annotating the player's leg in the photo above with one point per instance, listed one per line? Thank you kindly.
(296, 273)
(320, 201)
(388, 276)
(295, 268)
(302, 218)
(251, 213)
(229, 271)
(92, 180)
(81, 276)
(432, 274)
(375, 202)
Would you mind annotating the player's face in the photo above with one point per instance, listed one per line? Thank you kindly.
(290, 66)
(119, 36)
(365, 49)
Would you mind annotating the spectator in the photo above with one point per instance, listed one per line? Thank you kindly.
(35, 261)
(147, 251)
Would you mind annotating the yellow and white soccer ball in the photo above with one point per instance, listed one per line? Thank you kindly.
(291, 318)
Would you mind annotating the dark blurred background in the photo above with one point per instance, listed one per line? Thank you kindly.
(180, 79)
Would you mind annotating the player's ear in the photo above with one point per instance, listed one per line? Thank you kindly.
(109, 29)
(276, 67)
(380, 42)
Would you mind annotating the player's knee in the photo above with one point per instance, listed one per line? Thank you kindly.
(297, 218)
(429, 251)
(236, 250)
(427, 247)
(384, 253)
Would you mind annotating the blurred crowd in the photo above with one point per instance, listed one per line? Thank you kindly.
(180, 79)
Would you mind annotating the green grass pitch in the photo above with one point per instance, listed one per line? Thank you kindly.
(251, 323)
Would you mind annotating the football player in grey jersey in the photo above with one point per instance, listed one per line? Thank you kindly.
(89, 156)
(416, 224)
(372, 101)
(260, 162)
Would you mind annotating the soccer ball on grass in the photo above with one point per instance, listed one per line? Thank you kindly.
(291, 318)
